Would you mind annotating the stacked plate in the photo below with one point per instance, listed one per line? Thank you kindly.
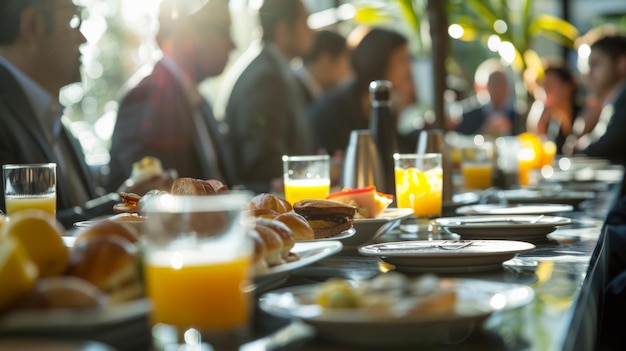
(445, 256)
(513, 227)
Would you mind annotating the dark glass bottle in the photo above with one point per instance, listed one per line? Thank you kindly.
(383, 129)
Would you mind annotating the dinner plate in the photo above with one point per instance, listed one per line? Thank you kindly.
(123, 325)
(342, 237)
(476, 300)
(369, 228)
(567, 197)
(447, 256)
(309, 252)
(514, 209)
(513, 227)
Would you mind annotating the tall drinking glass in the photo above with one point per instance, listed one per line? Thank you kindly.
(477, 166)
(198, 271)
(306, 177)
(419, 183)
(30, 186)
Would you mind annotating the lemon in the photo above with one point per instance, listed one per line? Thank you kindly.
(40, 234)
(17, 272)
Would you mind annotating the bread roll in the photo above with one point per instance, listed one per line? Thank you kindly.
(270, 202)
(109, 263)
(63, 292)
(283, 231)
(106, 228)
(262, 213)
(259, 264)
(191, 186)
(299, 226)
(273, 245)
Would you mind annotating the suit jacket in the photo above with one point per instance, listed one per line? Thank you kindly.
(265, 114)
(611, 144)
(476, 116)
(155, 118)
(22, 140)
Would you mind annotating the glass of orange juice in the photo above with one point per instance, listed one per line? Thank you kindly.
(198, 270)
(477, 166)
(30, 186)
(306, 177)
(419, 183)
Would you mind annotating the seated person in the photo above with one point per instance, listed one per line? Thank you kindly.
(36, 34)
(492, 111)
(324, 67)
(556, 107)
(381, 54)
(165, 116)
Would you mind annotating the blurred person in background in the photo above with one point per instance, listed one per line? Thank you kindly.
(607, 78)
(324, 67)
(260, 99)
(491, 112)
(165, 116)
(556, 107)
(39, 54)
(381, 54)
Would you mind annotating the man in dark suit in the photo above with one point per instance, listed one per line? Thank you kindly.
(324, 67)
(261, 101)
(165, 116)
(607, 77)
(39, 54)
(491, 112)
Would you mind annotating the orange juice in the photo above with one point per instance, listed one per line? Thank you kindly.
(302, 189)
(526, 162)
(208, 296)
(477, 176)
(419, 190)
(46, 203)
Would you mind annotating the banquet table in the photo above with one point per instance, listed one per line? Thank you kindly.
(564, 274)
(561, 316)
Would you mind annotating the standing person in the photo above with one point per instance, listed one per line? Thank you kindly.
(324, 67)
(381, 54)
(165, 116)
(261, 102)
(492, 112)
(607, 77)
(39, 54)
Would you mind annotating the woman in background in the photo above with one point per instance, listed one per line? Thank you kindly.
(556, 108)
(380, 54)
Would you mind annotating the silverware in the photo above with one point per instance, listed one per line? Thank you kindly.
(446, 245)
(495, 220)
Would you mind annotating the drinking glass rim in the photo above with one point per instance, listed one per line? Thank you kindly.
(398, 156)
(305, 158)
(168, 203)
(29, 165)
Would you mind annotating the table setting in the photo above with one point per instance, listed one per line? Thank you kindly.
(358, 267)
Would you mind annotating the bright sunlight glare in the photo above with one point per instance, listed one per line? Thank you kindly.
(455, 31)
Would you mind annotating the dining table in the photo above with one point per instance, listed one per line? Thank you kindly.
(561, 271)
(561, 316)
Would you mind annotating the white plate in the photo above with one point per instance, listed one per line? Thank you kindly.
(368, 228)
(342, 237)
(514, 209)
(546, 197)
(124, 326)
(446, 256)
(513, 227)
(476, 300)
(309, 252)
